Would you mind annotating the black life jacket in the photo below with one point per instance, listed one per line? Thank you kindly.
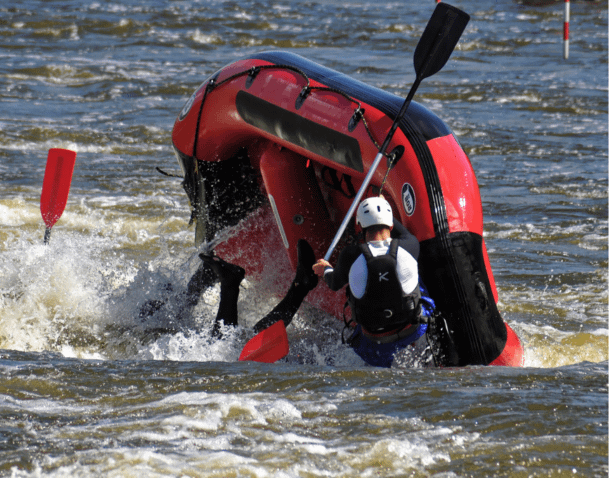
(384, 305)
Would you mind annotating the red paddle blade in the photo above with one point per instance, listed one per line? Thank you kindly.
(268, 346)
(56, 184)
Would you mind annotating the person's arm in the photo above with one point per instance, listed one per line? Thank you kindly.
(337, 277)
(406, 239)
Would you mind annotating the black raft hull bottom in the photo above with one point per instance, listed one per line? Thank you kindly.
(483, 336)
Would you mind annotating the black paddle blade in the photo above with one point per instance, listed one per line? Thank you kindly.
(439, 39)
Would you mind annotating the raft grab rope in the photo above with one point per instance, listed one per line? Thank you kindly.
(252, 73)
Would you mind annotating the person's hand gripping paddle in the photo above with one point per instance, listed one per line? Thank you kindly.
(56, 186)
(433, 51)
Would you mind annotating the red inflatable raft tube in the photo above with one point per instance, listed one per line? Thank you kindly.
(276, 130)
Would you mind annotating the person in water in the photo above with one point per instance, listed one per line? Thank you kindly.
(391, 313)
(384, 293)
(231, 275)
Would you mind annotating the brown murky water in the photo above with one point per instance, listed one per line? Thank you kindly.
(89, 389)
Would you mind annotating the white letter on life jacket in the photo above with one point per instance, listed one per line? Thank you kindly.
(383, 277)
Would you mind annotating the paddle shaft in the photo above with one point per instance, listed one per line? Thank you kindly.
(372, 170)
(433, 50)
(47, 235)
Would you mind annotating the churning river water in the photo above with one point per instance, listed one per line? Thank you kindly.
(89, 389)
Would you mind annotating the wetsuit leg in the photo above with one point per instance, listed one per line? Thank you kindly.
(185, 301)
(203, 278)
(230, 276)
(304, 281)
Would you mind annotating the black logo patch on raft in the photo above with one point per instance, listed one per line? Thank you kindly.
(408, 199)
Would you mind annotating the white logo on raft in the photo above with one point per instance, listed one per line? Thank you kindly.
(408, 199)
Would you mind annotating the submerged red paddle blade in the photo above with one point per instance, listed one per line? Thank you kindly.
(56, 185)
(268, 346)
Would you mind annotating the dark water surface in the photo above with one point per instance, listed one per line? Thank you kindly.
(88, 389)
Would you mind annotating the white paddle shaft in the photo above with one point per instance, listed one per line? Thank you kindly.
(354, 205)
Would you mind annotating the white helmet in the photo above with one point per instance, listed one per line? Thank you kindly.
(374, 211)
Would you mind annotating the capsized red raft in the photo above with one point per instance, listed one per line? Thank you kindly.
(276, 130)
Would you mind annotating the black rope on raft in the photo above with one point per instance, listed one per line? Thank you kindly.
(358, 114)
(171, 175)
(392, 159)
(253, 72)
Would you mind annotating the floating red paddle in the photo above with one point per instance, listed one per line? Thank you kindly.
(56, 186)
(268, 346)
